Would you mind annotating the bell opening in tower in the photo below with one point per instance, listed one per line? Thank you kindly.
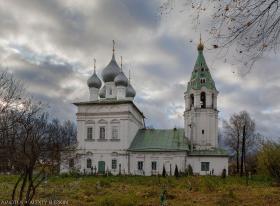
(203, 100)
(191, 101)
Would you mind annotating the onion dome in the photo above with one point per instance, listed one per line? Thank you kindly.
(94, 81)
(130, 92)
(112, 69)
(121, 80)
(102, 92)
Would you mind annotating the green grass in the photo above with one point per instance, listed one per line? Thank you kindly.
(137, 190)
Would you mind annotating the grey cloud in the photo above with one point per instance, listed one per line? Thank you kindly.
(50, 44)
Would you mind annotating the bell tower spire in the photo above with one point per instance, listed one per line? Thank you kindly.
(201, 114)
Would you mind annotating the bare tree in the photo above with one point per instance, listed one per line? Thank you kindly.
(233, 133)
(246, 28)
(28, 142)
(11, 91)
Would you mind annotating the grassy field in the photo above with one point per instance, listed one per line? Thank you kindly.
(111, 191)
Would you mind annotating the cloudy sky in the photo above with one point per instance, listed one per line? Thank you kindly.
(50, 46)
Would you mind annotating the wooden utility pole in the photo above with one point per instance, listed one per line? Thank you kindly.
(243, 152)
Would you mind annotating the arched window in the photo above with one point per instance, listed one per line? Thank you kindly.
(89, 164)
(213, 100)
(203, 100)
(191, 101)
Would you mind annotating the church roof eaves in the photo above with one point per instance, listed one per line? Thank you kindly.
(211, 152)
(110, 102)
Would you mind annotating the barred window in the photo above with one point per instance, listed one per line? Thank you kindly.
(115, 132)
(114, 164)
(102, 133)
(89, 133)
(140, 165)
(89, 163)
(71, 163)
(154, 165)
(204, 166)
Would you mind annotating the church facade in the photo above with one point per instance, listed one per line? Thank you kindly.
(112, 137)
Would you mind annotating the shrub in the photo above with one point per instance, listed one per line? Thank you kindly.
(189, 170)
(163, 171)
(224, 173)
(176, 173)
(268, 160)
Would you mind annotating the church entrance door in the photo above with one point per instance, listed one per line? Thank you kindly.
(101, 167)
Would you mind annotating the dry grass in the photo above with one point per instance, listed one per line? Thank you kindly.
(130, 191)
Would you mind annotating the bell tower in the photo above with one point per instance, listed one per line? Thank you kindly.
(201, 114)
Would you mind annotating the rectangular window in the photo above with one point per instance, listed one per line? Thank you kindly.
(202, 131)
(115, 132)
(114, 164)
(89, 165)
(102, 133)
(204, 166)
(140, 165)
(89, 133)
(71, 163)
(154, 165)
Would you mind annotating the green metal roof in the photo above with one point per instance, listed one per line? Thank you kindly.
(210, 152)
(200, 71)
(159, 140)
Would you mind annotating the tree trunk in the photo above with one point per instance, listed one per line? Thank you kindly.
(15, 188)
(22, 187)
(237, 154)
(243, 152)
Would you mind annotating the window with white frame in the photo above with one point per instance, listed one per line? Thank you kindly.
(154, 165)
(89, 133)
(115, 132)
(114, 164)
(71, 163)
(202, 80)
(140, 165)
(205, 166)
(102, 132)
(89, 163)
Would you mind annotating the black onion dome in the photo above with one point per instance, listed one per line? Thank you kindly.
(121, 80)
(111, 70)
(94, 81)
(130, 92)
(102, 92)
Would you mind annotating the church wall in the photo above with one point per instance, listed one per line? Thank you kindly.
(202, 119)
(123, 116)
(216, 163)
(162, 158)
(105, 156)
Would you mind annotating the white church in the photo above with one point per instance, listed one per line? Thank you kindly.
(112, 137)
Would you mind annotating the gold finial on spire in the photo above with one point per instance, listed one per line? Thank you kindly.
(121, 62)
(200, 46)
(94, 65)
(113, 46)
